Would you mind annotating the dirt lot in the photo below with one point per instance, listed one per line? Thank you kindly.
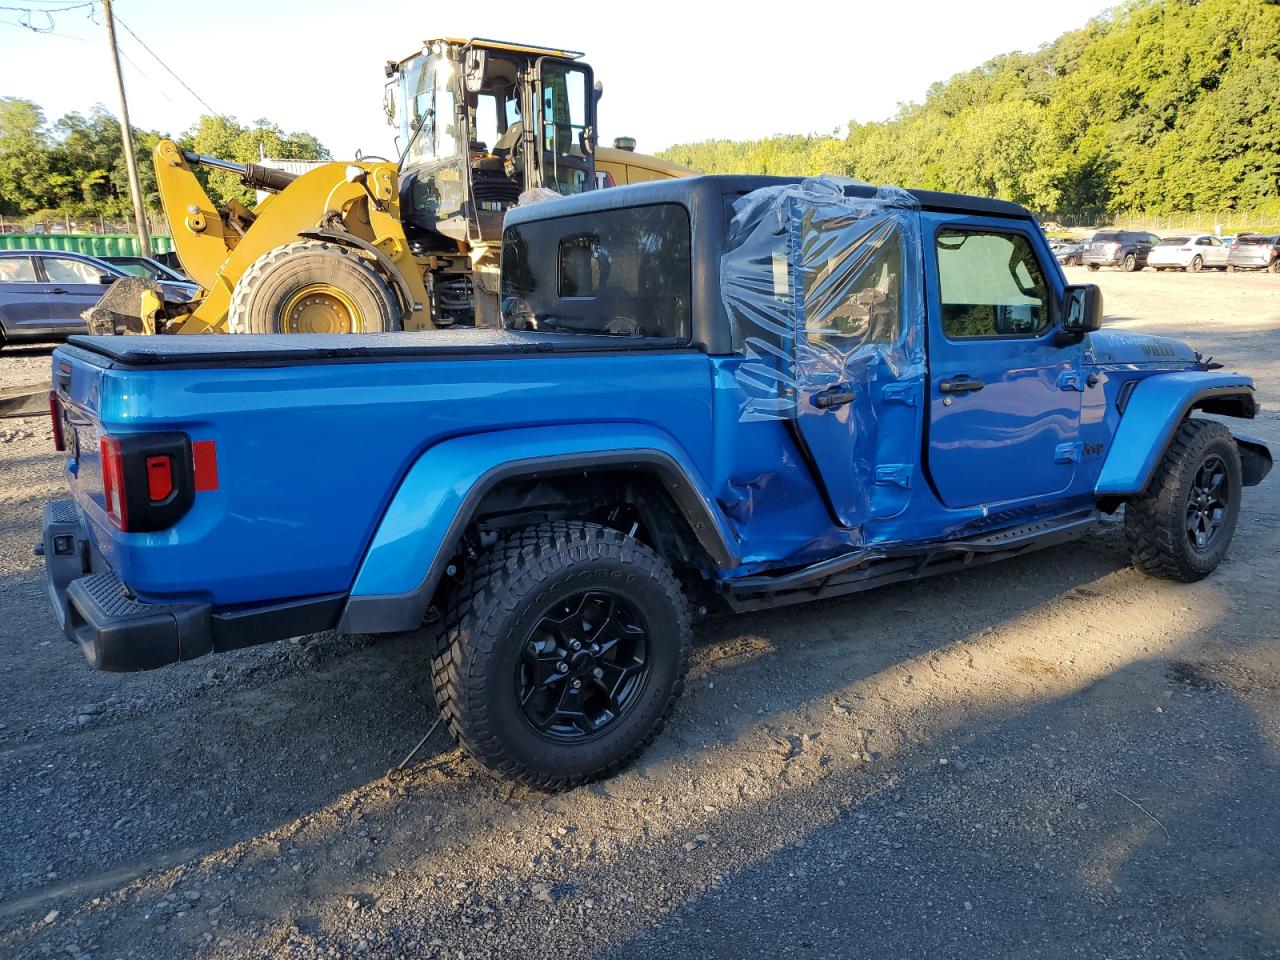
(1054, 757)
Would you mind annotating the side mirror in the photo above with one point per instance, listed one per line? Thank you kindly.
(1081, 309)
(597, 91)
(107, 278)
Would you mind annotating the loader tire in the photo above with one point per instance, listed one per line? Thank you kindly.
(1180, 528)
(312, 287)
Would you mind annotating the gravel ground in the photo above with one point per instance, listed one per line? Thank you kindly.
(1052, 757)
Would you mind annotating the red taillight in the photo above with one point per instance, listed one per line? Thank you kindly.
(55, 414)
(159, 478)
(150, 480)
(204, 460)
(1186, 249)
(113, 492)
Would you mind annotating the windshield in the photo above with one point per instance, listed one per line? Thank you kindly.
(427, 92)
(623, 272)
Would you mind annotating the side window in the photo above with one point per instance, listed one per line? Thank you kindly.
(1152, 239)
(625, 271)
(990, 285)
(17, 270)
(59, 270)
(853, 291)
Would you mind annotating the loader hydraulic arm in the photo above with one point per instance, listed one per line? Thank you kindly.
(253, 175)
(201, 237)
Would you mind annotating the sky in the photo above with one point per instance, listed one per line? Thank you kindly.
(672, 72)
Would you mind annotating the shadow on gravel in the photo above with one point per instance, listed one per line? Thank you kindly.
(1115, 828)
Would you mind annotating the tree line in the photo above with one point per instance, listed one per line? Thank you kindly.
(73, 168)
(1162, 106)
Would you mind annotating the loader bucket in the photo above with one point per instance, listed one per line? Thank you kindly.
(135, 305)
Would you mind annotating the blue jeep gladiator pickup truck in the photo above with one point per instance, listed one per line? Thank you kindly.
(712, 393)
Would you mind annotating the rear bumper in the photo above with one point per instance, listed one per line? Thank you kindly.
(118, 632)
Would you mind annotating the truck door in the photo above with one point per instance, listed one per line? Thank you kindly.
(1004, 395)
(858, 386)
(73, 287)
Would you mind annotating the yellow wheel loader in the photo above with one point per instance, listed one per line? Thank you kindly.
(377, 245)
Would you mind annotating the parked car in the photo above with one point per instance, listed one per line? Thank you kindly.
(1069, 253)
(148, 268)
(43, 293)
(1255, 252)
(1126, 249)
(1193, 253)
(815, 416)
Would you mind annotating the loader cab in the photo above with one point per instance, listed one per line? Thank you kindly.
(480, 123)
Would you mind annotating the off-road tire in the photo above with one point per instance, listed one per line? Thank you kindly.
(1129, 263)
(1155, 524)
(488, 624)
(1196, 264)
(259, 298)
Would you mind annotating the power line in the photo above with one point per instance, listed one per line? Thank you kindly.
(155, 56)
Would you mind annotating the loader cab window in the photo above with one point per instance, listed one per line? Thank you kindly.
(564, 121)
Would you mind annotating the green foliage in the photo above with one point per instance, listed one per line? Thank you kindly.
(1159, 105)
(75, 167)
(227, 139)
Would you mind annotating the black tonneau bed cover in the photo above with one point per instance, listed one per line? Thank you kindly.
(280, 349)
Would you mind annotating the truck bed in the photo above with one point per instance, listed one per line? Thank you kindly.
(266, 349)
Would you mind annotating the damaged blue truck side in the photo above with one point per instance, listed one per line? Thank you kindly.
(714, 393)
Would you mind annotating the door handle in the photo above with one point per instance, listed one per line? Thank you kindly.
(961, 384)
(59, 290)
(833, 397)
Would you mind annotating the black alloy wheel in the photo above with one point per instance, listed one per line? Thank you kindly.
(1208, 504)
(584, 664)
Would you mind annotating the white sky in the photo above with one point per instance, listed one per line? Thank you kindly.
(672, 72)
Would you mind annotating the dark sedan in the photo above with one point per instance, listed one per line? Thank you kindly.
(148, 268)
(44, 292)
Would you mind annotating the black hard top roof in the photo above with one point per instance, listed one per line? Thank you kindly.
(687, 189)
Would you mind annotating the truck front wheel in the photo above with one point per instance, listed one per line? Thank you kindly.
(312, 287)
(564, 652)
(1181, 527)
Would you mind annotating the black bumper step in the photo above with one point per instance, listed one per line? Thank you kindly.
(118, 632)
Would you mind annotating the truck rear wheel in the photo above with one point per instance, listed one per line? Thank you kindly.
(1181, 527)
(564, 652)
(312, 287)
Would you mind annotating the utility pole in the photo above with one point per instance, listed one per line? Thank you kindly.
(126, 137)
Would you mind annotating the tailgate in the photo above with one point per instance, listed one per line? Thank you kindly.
(77, 385)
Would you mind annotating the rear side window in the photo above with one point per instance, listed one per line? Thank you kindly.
(990, 285)
(60, 270)
(624, 272)
(17, 270)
